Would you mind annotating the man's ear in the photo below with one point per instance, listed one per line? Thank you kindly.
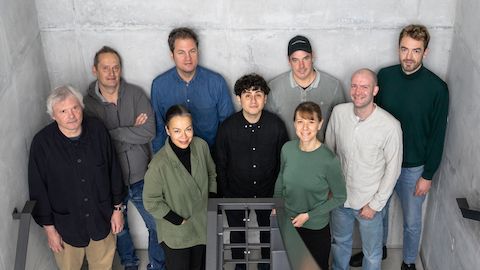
(238, 99)
(425, 53)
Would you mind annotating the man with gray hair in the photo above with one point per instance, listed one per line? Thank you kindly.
(75, 179)
(303, 83)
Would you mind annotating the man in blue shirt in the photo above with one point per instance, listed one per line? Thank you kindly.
(202, 91)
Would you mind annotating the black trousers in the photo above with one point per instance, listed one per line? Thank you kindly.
(235, 219)
(318, 243)
(192, 258)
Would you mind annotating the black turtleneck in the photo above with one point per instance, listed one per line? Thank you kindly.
(183, 155)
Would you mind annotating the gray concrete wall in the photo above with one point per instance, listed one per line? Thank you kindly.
(24, 85)
(237, 37)
(450, 241)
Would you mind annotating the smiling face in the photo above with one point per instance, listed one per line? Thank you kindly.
(363, 89)
(307, 126)
(185, 56)
(180, 130)
(108, 71)
(411, 54)
(68, 114)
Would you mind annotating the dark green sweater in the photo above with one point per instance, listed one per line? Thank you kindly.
(420, 102)
(304, 181)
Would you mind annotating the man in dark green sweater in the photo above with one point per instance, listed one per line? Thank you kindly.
(419, 100)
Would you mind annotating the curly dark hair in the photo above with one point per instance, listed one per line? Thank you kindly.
(251, 81)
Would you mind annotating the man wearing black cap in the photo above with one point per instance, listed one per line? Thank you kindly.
(303, 83)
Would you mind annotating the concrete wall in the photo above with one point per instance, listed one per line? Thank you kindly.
(24, 85)
(237, 37)
(450, 241)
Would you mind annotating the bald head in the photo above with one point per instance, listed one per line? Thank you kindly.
(367, 72)
(362, 90)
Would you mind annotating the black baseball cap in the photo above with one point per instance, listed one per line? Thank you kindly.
(299, 43)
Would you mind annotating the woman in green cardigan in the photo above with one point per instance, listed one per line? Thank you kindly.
(311, 182)
(177, 184)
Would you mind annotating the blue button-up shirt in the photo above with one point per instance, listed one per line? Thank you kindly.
(206, 96)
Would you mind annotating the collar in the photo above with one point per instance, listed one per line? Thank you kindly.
(357, 118)
(247, 125)
(99, 95)
(81, 139)
(414, 75)
(102, 98)
(179, 79)
(314, 84)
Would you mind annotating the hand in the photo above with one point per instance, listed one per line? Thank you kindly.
(422, 187)
(117, 221)
(183, 222)
(141, 119)
(367, 213)
(300, 219)
(274, 212)
(55, 241)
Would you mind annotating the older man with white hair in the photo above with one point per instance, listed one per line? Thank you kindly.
(74, 177)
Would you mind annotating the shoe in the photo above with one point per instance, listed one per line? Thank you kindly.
(240, 267)
(263, 266)
(408, 266)
(356, 259)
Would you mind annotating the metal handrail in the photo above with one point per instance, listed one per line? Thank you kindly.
(23, 233)
(287, 249)
(468, 212)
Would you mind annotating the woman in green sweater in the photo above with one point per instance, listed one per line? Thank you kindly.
(311, 182)
(177, 184)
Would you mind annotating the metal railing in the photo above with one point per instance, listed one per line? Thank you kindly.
(287, 250)
(23, 233)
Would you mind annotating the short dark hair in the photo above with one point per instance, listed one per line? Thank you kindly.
(251, 81)
(176, 110)
(308, 109)
(106, 49)
(416, 31)
(181, 33)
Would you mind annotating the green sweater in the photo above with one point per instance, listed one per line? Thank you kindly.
(420, 102)
(169, 186)
(304, 181)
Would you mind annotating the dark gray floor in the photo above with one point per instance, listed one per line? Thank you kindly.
(393, 261)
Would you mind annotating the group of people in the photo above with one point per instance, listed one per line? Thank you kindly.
(296, 138)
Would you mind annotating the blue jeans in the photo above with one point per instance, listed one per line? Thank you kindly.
(342, 223)
(385, 221)
(412, 211)
(125, 247)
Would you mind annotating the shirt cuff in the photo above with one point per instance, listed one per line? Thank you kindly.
(173, 218)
